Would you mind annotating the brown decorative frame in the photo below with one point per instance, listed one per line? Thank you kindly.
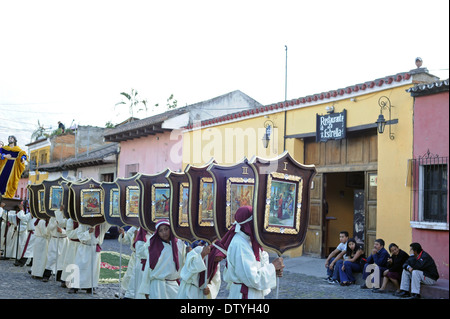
(180, 228)
(282, 168)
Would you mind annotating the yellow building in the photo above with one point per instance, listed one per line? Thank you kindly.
(361, 182)
(39, 154)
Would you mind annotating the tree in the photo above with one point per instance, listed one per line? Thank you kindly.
(174, 102)
(132, 101)
(39, 132)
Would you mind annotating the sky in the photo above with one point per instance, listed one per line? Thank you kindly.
(69, 61)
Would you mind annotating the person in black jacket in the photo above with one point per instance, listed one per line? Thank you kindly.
(418, 268)
(395, 268)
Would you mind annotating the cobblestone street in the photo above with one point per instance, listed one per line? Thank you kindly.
(16, 283)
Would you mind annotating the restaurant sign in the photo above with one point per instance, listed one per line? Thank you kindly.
(331, 126)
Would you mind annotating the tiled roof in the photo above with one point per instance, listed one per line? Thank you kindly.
(324, 96)
(429, 88)
(154, 124)
(93, 157)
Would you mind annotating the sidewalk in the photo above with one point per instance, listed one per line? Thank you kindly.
(312, 266)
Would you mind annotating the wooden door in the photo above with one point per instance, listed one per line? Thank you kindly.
(371, 209)
(313, 245)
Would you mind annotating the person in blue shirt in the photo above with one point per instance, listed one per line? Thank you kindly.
(377, 264)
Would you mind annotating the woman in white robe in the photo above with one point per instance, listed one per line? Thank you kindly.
(166, 256)
(249, 272)
(194, 271)
(41, 238)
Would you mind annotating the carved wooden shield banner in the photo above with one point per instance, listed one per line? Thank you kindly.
(112, 212)
(201, 202)
(37, 201)
(234, 187)
(65, 199)
(155, 199)
(281, 205)
(179, 206)
(129, 200)
(53, 195)
(89, 202)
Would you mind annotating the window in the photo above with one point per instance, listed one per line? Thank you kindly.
(131, 170)
(433, 193)
(107, 177)
(430, 179)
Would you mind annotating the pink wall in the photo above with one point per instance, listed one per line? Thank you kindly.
(153, 153)
(431, 132)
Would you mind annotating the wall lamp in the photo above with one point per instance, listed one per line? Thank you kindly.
(268, 125)
(385, 103)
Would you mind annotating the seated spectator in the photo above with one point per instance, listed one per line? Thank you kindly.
(334, 256)
(418, 268)
(394, 271)
(379, 258)
(351, 262)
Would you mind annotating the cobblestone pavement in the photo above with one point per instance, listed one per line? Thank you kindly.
(16, 283)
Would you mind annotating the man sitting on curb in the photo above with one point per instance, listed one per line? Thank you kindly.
(334, 256)
(419, 268)
(379, 259)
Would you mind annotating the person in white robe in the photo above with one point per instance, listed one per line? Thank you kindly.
(71, 251)
(249, 273)
(141, 245)
(127, 238)
(25, 236)
(58, 239)
(87, 259)
(42, 237)
(166, 257)
(2, 228)
(17, 233)
(200, 262)
(63, 241)
(28, 253)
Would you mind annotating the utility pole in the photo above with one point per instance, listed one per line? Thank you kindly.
(285, 77)
(285, 99)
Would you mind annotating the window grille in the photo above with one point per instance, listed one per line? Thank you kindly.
(430, 179)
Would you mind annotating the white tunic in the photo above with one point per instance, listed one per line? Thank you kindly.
(87, 259)
(141, 253)
(190, 274)
(16, 228)
(160, 282)
(42, 237)
(127, 238)
(71, 250)
(243, 267)
(55, 246)
(29, 238)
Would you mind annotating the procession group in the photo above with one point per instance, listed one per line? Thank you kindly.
(161, 266)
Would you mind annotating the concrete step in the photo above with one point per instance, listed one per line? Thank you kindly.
(437, 291)
(440, 290)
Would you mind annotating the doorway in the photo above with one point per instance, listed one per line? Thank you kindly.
(341, 201)
(343, 195)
